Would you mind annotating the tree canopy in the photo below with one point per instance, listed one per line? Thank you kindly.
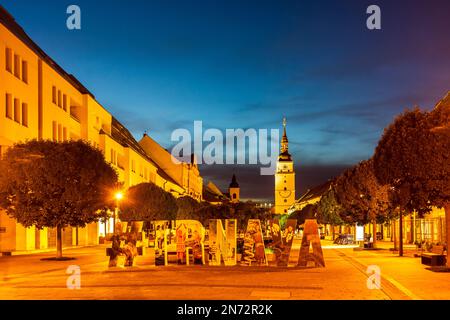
(49, 184)
(147, 202)
(413, 156)
(362, 199)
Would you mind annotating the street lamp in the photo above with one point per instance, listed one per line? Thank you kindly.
(118, 196)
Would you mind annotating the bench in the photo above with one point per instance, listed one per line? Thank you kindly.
(434, 258)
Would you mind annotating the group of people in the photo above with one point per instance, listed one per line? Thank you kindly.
(129, 249)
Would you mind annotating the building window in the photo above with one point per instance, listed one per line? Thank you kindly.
(54, 94)
(17, 66)
(285, 200)
(113, 157)
(285, 188)
(25, 71)
(8, 53)
(65, 102)
(55, 131)
(25, 114)
(8, 104)
(17, 110)
(234, 195)
(59, 98)
(60, 135)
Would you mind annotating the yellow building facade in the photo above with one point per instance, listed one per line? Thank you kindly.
(39, 100)
(186, 175)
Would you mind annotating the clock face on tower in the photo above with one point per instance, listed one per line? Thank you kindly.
(285, 193)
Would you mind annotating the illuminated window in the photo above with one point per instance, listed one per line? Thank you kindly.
(8, 53)
(8, 104)
(25, 71)
(17, 110)
(25, 114)
(17, 66)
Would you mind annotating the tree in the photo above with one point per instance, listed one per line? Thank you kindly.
(329, 211)
(188, 208)
(360, 193)
(147, 202)
(413, 156)
(55, 185)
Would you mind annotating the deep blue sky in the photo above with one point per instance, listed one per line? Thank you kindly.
(160, 65)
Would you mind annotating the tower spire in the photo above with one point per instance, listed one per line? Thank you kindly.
(284, 140)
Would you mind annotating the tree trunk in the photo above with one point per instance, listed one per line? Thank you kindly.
(332, 232)
(58, 242)
(400, 238)
(394, 234)
(447, 231)
(374, 226)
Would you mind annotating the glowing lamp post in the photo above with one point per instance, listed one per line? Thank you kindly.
(118, 196)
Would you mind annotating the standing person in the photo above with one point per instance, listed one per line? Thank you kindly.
(181, 243)
(159, 237)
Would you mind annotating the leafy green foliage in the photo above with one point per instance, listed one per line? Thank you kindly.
(329, 210)
(48, 184)
(361, 197)
(413, 156)
(147, 202)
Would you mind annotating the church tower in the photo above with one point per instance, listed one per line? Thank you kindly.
(234, 190)
(284, 177)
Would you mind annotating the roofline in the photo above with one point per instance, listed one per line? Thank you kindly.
(7, 20)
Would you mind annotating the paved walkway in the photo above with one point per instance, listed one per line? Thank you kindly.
(345, 277)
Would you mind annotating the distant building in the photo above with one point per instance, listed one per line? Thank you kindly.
(312, 196)
(214, 195)
(284, 177)
(234, 190)
(184, 174)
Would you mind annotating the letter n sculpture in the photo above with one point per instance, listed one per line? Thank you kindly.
(311, 237)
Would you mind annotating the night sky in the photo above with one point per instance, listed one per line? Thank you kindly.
(160, 65)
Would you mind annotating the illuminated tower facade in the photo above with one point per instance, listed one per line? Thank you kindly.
(284, 177)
